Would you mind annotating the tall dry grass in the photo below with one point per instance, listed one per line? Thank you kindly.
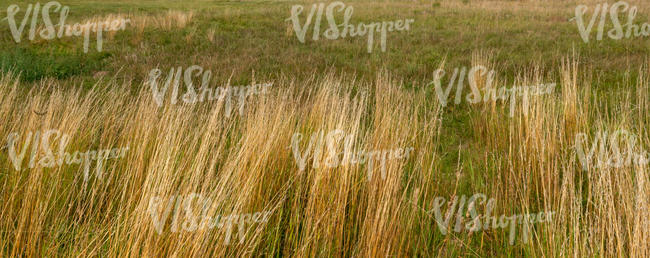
(601, 212)
(244, 164)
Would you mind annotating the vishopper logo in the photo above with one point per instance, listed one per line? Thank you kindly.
(473, 221)
(225, 94)
(50, 31)
(609, 150)
(619, 31)
(50, 160)
(160, 208)
(346, 29)
(490, 93)
(348, 156)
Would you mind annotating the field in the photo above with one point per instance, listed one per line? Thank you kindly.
(208, 129)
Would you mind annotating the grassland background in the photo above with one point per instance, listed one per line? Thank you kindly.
(246, 40)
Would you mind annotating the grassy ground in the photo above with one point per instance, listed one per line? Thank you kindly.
(525, 162)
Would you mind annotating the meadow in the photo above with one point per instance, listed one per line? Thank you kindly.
(179, 155)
